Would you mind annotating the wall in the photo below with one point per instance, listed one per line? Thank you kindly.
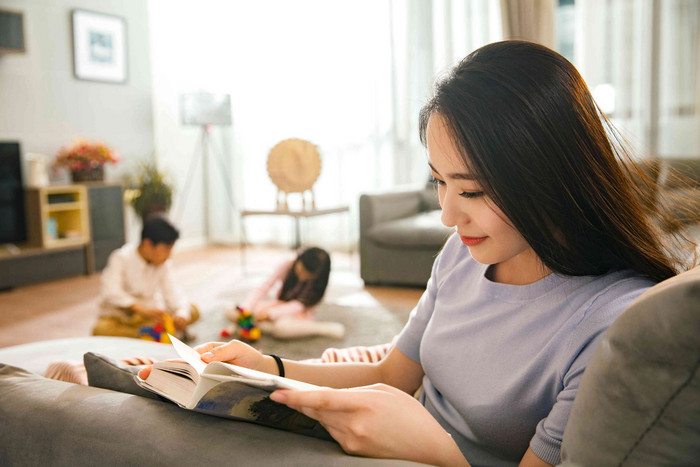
(44, 106)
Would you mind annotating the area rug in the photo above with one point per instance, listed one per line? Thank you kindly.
(363, 326)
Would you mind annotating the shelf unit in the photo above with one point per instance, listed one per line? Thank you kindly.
(57, 216)
(93, 211)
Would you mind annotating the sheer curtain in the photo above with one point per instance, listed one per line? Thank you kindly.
(531, 20)
(428, 39)
(349, 76)
(641, 59)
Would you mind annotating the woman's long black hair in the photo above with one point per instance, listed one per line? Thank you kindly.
(318, 262)
(529, 130)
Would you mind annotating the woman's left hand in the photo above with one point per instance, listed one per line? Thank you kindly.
(377, 421)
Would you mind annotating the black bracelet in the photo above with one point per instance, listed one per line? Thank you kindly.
(280, 365)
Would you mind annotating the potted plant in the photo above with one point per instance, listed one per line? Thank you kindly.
(150, 191)
(85, 160)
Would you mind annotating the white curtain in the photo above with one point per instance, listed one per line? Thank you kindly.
(349, 76)
(428, 39)
(531, 20)
(640, 58)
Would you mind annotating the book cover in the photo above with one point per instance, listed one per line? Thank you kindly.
(228, 391)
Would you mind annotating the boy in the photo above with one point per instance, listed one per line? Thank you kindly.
(132, 280)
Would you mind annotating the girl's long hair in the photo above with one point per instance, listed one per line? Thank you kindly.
(529, 130)
(318, 262)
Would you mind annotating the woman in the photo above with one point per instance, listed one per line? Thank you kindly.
(552, 243)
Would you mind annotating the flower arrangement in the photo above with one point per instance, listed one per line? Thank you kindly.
(84, 155)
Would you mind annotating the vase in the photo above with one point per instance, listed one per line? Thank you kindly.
(94, 174)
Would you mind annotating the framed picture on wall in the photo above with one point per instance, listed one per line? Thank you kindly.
(99, 47)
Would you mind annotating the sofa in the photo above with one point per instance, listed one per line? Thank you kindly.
(638, 402)
(49, 422)
(400, 236)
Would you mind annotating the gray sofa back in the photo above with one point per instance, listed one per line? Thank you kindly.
(639, 399)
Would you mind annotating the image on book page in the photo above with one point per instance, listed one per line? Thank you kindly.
(229, 391)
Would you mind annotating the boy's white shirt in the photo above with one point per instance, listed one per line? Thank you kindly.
(129, 279)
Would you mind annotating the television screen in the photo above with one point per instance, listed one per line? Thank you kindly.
(13, 227)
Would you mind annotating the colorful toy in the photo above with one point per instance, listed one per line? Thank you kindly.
(247, 330)
(159, 331)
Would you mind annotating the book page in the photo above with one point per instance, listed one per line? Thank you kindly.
(256, 378)
(188, 354)
(220, 370)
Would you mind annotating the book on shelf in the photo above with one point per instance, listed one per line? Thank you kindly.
(228, 391)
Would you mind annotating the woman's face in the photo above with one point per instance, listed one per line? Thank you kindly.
(481, 225)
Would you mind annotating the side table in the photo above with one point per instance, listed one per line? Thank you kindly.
(295, 215)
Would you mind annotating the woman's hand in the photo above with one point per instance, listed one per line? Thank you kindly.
(235, 352)
(377, 421)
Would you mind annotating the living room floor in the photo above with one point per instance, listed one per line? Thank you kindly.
(69, 307)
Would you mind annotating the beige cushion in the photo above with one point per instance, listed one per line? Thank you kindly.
(639, 399)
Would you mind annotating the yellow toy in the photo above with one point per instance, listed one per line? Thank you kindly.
(159, 332)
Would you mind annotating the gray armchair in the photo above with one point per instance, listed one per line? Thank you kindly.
(400, 236)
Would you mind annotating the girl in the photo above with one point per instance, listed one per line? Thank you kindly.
(302, 283)
(552, 243)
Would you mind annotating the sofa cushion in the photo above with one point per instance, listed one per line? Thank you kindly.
(421, 231)
(429, 198)
(49, 422)
(37, 356)
(105, 373)
(639, 399)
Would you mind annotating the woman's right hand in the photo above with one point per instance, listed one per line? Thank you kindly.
(237, 353)
(234, 352)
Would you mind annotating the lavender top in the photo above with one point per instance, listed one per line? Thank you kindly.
(503, 362)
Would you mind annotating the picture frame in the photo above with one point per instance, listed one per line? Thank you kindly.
(99, 47)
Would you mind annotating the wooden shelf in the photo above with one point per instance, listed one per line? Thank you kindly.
(93, 212)
(58, 216)
(65, 206)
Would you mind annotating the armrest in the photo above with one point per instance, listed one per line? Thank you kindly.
(382, 207)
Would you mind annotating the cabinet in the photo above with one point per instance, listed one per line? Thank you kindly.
(71, 230)
(57, 216)
(107, 225)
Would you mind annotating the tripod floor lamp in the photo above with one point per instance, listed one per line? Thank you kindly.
(206, 110)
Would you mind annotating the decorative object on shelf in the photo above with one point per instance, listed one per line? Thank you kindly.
(294, 166)
(99, 47)
(85, 160)
(150, 191)
(38, 174)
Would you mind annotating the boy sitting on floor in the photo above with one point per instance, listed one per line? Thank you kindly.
(132, 281)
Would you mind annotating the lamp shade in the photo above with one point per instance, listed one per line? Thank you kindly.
(203, 108)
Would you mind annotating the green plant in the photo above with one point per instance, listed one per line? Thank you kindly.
(150, 190)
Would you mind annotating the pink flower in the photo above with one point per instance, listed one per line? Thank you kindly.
(83, 155)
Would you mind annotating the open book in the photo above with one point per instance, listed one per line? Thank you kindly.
(228, 391)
